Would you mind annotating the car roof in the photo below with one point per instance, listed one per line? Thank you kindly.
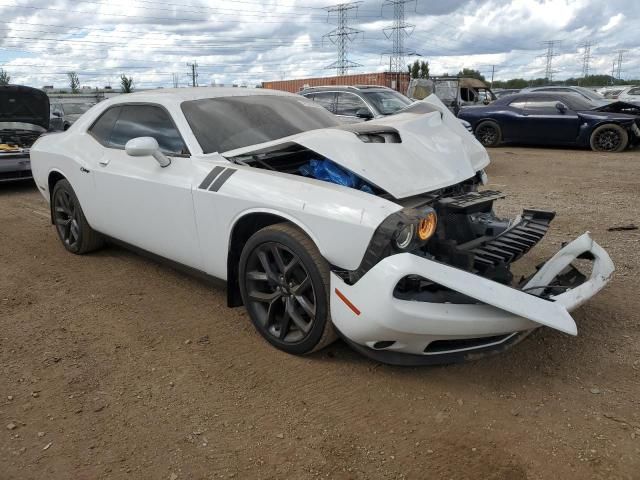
(532, 95)
(178, 95)
(345, 88)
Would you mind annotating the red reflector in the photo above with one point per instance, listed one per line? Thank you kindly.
(346, 301)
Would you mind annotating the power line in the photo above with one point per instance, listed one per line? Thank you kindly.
(342, 36)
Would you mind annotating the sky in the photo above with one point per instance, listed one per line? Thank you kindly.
(249, 41)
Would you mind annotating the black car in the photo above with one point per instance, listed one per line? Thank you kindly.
(24, 116)
(555, 119)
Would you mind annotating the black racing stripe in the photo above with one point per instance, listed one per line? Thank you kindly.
(209, 178)
(221, 179)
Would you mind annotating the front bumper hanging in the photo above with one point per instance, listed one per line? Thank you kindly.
(408, 332)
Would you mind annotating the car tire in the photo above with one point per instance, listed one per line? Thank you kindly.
(284, 283)
(72, 227)
(609, 138)
(488, 133)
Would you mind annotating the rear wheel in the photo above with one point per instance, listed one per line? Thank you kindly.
(609, 138)
(489, 133)
(73, 229)
(284, 282)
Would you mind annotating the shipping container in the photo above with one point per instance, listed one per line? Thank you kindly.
(397, 81)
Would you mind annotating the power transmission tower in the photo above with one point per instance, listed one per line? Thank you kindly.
(342, 36)
(619, 71)
(397, 32)
(613, 72)
(194, 73)
(550, 55)
(586, 58)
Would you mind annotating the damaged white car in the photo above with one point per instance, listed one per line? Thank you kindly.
(376, 232)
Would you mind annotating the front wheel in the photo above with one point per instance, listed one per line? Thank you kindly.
(74, 231)
(609, 138)
(489, 133)
(284, 282)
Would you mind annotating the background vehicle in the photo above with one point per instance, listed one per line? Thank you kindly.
(24, 116)
(552, 119)
(504, 92)
(358, 103)
(593, 97)
(316, 226)
(361, 103)
(454, 92)
(630, 94)
(63, 115)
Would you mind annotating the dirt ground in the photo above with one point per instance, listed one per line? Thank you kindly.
(113, 366)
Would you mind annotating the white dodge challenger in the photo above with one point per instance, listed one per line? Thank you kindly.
(376, 232)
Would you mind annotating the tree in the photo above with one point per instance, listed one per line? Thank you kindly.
(471, 73)
(74, 82)
(4, 77)
(126, 83)
(424, 69)
(414, 69)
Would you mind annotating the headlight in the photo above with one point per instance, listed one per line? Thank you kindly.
(418, 228)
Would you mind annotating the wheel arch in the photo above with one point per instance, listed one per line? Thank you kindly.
(243, 227)
(54, 177)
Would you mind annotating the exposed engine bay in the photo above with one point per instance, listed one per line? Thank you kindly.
(17, 139)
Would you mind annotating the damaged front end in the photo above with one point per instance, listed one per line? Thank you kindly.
(453, 297)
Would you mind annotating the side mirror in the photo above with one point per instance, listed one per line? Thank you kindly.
(364, 113)
(147, 147)
(57, 114)
(560, 107)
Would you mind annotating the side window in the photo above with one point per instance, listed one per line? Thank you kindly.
(101, 129)
(541, 104)
(147, 121)
(326, 99)
(521, 104)
(348, 104)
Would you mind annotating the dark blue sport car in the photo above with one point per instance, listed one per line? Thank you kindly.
(555, 119)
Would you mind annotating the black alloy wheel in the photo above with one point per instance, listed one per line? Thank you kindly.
(609, 138)
(74, 231)
(65, 217)
(284, 286)
(488, 134)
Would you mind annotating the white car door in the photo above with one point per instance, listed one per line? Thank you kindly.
(138, 201)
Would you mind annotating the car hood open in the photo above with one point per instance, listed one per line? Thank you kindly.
(435, 150)
(23, 105)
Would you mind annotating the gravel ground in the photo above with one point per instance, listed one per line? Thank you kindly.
(116, 367)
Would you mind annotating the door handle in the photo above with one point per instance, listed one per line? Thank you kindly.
(104, 162)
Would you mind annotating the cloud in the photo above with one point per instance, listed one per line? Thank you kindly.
(248, 41)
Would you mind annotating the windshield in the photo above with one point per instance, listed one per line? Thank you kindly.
(387, 102)
(226, 123)
(589, 93)
(76, 108)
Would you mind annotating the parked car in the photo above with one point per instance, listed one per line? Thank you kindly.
(630, 95)
(355, 104)
(554, 119)
(589, 95)
(375, 231)
(63, 115)
(24, 116)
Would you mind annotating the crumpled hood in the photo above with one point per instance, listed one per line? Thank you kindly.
(26, 105)
(436, 151)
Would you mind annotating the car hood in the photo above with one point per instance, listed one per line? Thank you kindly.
(23, 105)
(435, 151)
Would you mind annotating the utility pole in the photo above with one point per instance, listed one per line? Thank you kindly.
(175, 80)
(493, 72)
(551, 53)
(619, 72)
(194, 73)
(397, 32)
(586, 58)
(342, 36)
(613, 72)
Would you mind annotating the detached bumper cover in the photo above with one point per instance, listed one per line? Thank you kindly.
(387, 326)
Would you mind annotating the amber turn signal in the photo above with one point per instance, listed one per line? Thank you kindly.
(427, 226)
